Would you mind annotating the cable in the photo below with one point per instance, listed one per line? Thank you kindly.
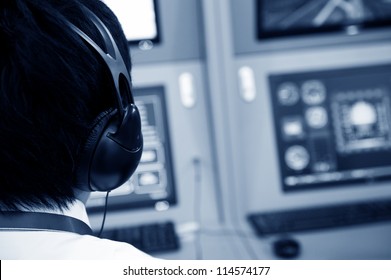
(197, 205)
(244, 236)
(245, 241)
(104, 214)
(236, 223)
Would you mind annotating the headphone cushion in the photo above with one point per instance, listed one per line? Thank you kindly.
(87, 151)
(118, 152)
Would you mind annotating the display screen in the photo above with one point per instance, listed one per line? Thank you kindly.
(152, 185)
(138, 19)
(295, 17)
(333, 127)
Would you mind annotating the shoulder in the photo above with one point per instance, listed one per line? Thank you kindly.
(91, 247)
(47, 245)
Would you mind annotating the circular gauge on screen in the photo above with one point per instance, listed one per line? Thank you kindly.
(297, 157)
(296, 17)
(363, 114)
(288, 94)
(313, 92)
(316, 117)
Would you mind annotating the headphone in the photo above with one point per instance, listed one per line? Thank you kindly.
(114, 146)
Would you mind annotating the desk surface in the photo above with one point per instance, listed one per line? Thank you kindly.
(358, 242)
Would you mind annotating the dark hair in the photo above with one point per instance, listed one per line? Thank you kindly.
(52, 88)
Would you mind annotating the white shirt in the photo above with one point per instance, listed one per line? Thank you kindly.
(48, 245)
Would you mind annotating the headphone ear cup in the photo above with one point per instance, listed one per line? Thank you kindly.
(118, 151)
(112, 151)
(87, 151)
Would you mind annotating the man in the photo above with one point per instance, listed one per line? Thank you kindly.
(60, 106)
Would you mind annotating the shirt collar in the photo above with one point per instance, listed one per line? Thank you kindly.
(75, 210)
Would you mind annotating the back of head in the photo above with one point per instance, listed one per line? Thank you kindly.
(52, 88)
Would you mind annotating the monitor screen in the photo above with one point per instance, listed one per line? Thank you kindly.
(152, 185)
(138, 19)
(278, 18)
(333, 127)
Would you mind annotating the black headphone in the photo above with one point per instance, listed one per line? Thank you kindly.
(114, 146)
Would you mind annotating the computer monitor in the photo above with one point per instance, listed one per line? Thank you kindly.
(153, 184)
(139, 19)
(276, 18)
(333, 127)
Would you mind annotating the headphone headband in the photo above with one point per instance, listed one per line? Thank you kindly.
(113, 149)
(112, 58)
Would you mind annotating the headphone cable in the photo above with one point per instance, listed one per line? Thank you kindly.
(104, 214)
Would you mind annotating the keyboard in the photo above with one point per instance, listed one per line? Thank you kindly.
(330, 216)
(149, 238)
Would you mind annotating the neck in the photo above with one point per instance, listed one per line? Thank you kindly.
(81, 195)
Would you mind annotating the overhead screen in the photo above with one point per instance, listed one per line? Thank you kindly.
(333, 127)
(277, 18)
(138, 19)
(153, 184)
